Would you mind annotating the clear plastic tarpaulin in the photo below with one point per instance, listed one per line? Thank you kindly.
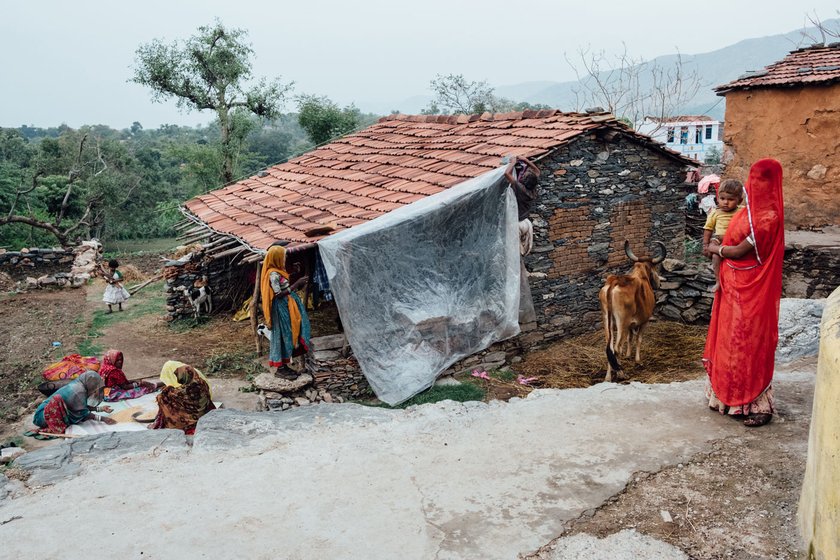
(428, 284)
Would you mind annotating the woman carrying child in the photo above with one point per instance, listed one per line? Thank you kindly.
(729, 198)
(744, 327)
(115, 293)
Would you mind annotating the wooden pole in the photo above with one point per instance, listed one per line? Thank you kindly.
(255, 306)
(308, 270)
(134, 289)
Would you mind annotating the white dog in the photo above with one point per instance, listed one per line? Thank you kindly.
(198, 296)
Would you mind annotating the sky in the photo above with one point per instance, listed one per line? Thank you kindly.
(70, 61)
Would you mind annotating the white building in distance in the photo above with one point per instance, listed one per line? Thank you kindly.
(693, 136)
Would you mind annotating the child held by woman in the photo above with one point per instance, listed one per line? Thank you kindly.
(729, 199)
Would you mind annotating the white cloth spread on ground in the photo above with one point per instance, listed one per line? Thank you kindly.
(146, 403)
(428, 284)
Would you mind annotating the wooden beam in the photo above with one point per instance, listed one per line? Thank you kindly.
(237, 249)
(193, 231)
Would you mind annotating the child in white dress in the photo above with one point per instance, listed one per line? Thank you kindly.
(115, 293)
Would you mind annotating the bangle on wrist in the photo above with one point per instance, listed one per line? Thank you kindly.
(720, 251)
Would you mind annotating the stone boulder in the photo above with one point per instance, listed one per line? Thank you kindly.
(274, 384)
(51, 464)
(799, 328)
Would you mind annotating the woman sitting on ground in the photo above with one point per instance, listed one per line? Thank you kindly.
(119, 387)
(180, 407)
(283, 312)
(72, 404)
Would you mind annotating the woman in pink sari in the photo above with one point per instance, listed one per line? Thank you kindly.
(118, 385)
(744, 328)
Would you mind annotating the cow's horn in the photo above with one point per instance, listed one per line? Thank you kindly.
(629, 252)
(662, 252)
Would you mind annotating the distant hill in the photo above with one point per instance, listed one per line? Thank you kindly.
(714, 68)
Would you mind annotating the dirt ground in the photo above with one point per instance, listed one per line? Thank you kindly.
(737, 501)
(29, 324)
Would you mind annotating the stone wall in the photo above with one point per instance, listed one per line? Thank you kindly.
(335, 369)
(795, 126)
(685, 293)
(594, 194)
(230, 284)
(811, 272)
(53, 267)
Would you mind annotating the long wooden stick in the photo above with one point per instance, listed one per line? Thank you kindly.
(65, 436)
(134, 289)
(255, 301)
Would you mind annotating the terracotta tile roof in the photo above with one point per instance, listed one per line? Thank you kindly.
(811, 65)
(397, 161)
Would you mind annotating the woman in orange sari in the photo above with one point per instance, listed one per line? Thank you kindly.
(744, 328)
(283, 312)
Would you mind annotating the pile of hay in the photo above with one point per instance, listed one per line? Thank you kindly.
(131, 274)
(670, 352)
(182, 250)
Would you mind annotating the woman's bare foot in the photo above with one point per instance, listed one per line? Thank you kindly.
(756, 420)
(287, 373)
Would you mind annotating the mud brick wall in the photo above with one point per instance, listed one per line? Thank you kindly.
(594, 194)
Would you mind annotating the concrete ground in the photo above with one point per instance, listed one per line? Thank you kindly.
(443, 481)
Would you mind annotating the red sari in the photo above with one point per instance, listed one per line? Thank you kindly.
(744, 328)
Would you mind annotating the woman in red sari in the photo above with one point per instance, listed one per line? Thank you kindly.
(744, 328)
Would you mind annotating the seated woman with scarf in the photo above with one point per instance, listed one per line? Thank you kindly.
(72, 404)
(180, 407)
(284, 313)
(118, 385)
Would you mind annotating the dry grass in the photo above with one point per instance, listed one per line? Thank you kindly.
(670, 352)
(131, 274)
(182, 250)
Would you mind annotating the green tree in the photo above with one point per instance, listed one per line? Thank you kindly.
(454, 94)
(211, 71)
(323, 120)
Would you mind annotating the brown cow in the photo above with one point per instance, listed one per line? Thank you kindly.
(627, 302)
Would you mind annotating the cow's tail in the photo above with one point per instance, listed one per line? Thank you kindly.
(611, 358)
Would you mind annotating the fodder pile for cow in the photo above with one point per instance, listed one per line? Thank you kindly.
(670, 352)
(131, 274)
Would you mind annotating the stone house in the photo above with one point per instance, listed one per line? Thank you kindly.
(790, 111)
(601, 183)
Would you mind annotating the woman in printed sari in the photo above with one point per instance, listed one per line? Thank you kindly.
(74, 403)
(283, 313)
(744, 328)
(180, 407)
(119, 387)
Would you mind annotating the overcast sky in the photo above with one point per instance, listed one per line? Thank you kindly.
(64, 61)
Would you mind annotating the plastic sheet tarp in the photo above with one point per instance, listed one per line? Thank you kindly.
(428, 284)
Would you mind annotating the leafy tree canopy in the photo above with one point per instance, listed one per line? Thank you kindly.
(323, 120)
(212, 71)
